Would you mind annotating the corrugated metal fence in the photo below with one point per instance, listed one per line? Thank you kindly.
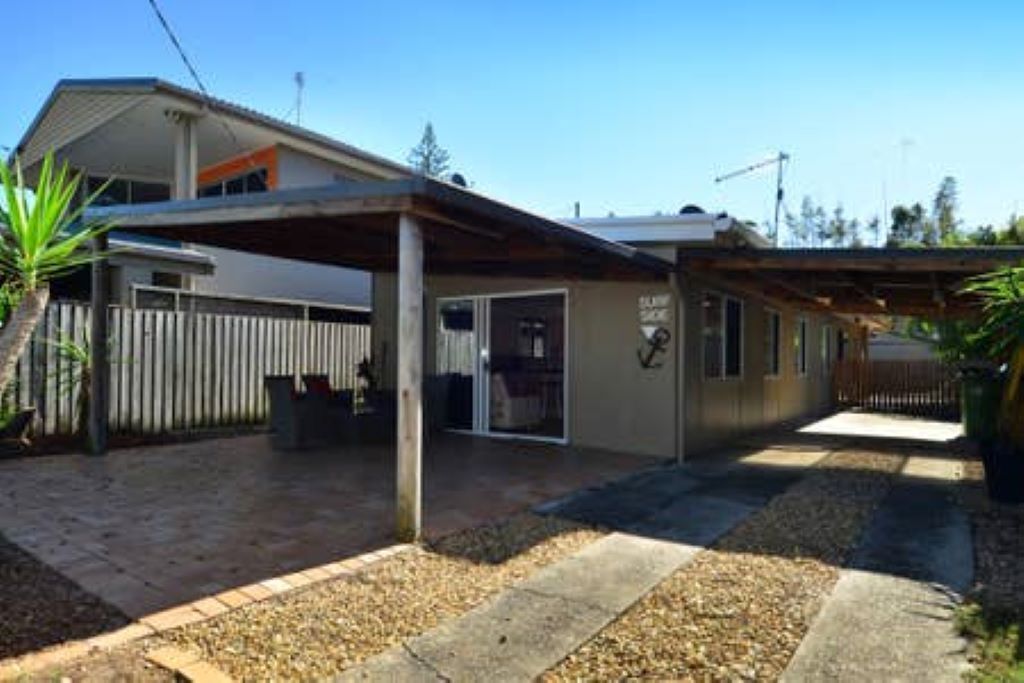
(181, 371)
(927, 388)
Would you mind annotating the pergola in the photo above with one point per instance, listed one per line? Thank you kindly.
(919, 282)
(409, 226)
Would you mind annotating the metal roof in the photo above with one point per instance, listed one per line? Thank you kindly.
(470, 226)
(146, 85)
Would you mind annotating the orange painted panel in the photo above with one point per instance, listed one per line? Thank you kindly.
(236, 166)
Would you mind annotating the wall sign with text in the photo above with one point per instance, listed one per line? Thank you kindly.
(655, 314)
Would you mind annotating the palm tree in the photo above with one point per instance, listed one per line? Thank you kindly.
(42, 236)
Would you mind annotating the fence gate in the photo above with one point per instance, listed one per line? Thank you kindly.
(926, 388)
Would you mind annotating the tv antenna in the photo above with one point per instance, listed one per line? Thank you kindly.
(300, 83)
(779, 159)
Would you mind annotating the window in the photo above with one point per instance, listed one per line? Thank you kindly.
(800, 347)
(842, 341)
(826, 350)
(723, 336)
(122, 191)
(160, 279)
(772, 343)
(247, 183)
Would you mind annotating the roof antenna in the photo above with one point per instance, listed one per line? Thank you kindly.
(300, 83)
(780, 159)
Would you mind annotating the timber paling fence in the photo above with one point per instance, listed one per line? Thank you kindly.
(926, 388)
(175, 371)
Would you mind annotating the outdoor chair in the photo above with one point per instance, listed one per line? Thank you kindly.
(301, 420)
(14, 435)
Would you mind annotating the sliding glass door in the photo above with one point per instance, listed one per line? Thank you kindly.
(506, 358)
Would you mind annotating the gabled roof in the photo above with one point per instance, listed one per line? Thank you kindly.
(147, 85)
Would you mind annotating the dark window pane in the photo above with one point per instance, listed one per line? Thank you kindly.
(235, 186)
(144, 193)
(733, 335)
(114, 193)
(712, 333)
(215, 190)
(256, 181)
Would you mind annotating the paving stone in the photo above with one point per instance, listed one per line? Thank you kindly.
(203, 672)
(171, 658)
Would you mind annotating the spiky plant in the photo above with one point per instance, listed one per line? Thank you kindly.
(42, 237)
(1001, 335)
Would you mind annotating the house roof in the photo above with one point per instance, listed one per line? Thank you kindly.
(667, 229)
(355, 225)
(923, 282)
(129, 89)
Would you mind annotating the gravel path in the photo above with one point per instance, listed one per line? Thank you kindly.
(998, 544)
(739, 611)
(331, 626)
(39, 607)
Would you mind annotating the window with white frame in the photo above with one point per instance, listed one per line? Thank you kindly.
(722, 336)
(800, 347)
(772, 343)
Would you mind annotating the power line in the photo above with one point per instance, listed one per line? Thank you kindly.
(195, 77)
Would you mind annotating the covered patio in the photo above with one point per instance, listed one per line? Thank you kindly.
(409, 227)
(150, 528)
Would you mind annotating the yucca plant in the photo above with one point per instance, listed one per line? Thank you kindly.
(1001, 336)
(42, 237)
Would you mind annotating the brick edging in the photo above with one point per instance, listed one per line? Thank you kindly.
(194, 612)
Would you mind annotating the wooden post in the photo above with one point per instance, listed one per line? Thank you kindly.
(410, 378)
(99, 389)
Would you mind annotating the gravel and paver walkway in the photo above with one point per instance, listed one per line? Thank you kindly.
(891, 613)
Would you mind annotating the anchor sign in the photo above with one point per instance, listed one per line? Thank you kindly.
(656, 343)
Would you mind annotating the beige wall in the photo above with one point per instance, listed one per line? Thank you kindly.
(616, 404)
(718, 410)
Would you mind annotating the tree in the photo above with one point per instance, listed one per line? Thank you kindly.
(428, 157)
(944, 208)
(908, 226)
(42, 237)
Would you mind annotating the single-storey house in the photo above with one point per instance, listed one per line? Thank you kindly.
(661, 337)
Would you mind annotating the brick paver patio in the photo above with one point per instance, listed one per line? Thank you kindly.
(148, 528)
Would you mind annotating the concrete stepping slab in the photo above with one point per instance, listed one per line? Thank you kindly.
(694, 519)
(890, 617)
(529, 628)
(875, 627)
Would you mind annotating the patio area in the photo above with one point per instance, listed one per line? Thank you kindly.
(149, 528)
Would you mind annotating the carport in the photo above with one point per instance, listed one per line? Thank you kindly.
(411, 226)
(919, 282)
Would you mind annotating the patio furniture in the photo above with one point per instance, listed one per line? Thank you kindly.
(323, 416)
(14, 435)
(303, 420)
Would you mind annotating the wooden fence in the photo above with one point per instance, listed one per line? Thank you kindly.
(926, 388)
(174, 371)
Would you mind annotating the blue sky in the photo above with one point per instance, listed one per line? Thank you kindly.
(624, 107)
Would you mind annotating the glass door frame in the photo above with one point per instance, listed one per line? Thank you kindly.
(481, 365)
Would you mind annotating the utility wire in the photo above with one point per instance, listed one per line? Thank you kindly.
(195, 77)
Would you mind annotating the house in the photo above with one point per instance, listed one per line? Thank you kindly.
(891, 346)
(662, 336)
(127, 133)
